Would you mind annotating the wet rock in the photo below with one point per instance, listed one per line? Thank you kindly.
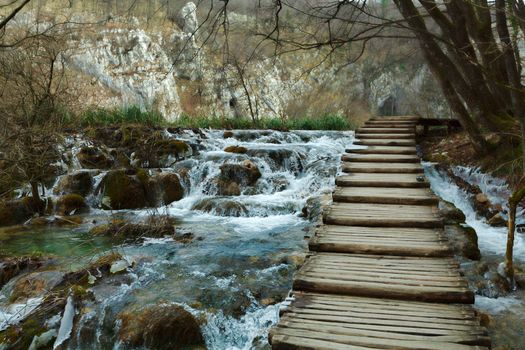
(16, 211)
(450, 213)
(123, 191)
(519, 278)
(168, 187)
(280, 158)
(470, 247)
(464, 241)
(94, 158)
(12, 266)
(220, 207)
(245, 173)
(22, 334)
(227, 134)
(497, 221)
(160, 327)
(313, 209)
(482, 198)
(497, 285)
(70, 204)
(35, 284)
(80, 182)
(228, 188)
(136, 232)
(236, 149)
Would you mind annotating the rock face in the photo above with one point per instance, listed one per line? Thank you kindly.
(134, 66)
(161, 327)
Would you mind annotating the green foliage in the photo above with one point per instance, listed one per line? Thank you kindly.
(134, 115)
(127, 115)
(327, 122)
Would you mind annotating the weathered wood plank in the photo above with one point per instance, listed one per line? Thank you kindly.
(389, 142)
(382, 180)
(382, 215)
(385, 195)
(407, 285)
(384, 150)
(369, 136)
(381, 158)
(367, 130)
(370, 167)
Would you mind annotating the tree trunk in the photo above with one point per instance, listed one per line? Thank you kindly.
(36, 200)
(514, 200)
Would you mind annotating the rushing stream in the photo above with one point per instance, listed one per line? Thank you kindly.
(239, 267)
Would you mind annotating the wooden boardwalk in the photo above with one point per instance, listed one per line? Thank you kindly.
(380, 273)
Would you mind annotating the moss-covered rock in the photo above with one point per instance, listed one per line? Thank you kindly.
(71, 204)
(220, 207)
(16, 211)
(470, 247)
(228, 188)
(164, 326)
(450, 213)
(80, 182)
(35, 284)
(168, 187)
(12, 266)
(236, 149)
(136, 232)
(245, 173)
(94, 158)
(123, 191)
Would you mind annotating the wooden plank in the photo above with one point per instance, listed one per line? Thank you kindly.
(364, 136)
(396, 118)
(385, 195)
(384, 150)
(408, 285)
(389, 142)
(367, 130)
(382, 180)
(368, 167)
(381, 158)
(376, 343)
(380, 323)
(382, 215)
(393, 124)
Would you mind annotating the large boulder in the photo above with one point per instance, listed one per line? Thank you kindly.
(94, 158)
(16, 211)
(167, 188)
(70, 204)
(80, 182)
(123, 191)
(221, 207)
(234, 177)
(245, 173)
(34, 284)
(164, 326)
(450, 213)
(13, 266)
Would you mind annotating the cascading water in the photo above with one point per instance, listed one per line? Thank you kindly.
(506, 312)
(247, 247)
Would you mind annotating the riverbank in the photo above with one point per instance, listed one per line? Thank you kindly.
(460, 177)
